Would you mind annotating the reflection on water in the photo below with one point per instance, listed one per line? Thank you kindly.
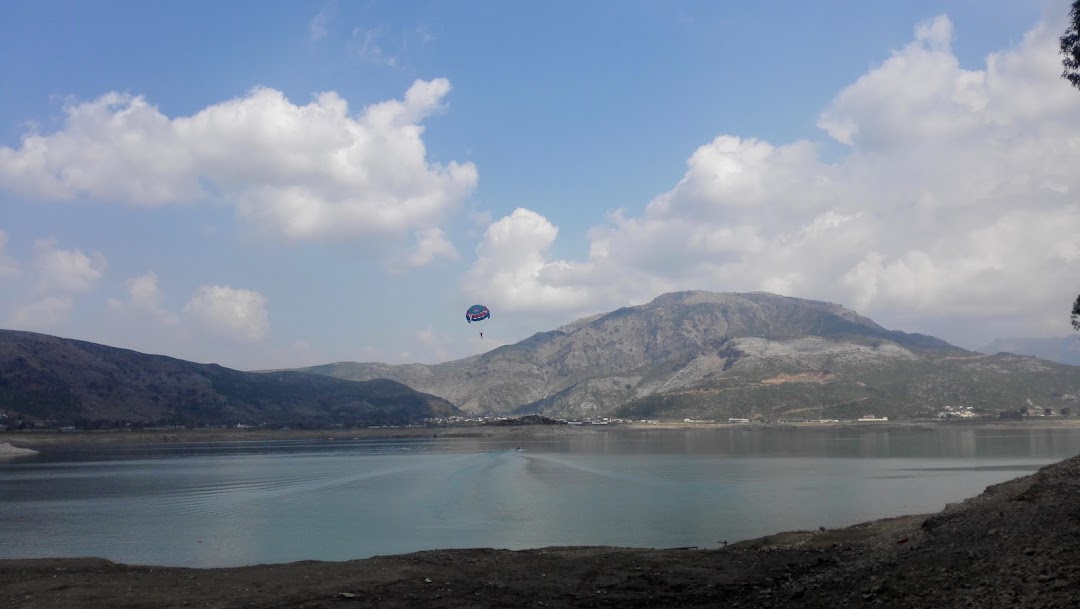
(219, 504)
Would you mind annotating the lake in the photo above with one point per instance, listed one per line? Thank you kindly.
(227, 504)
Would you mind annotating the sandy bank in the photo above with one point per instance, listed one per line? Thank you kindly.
(7, 450)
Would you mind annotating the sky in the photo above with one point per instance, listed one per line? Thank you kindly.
(270, 184)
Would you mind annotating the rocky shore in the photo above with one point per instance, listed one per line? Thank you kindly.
(1016, 545)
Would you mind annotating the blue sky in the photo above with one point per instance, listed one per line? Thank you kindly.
(272, 184)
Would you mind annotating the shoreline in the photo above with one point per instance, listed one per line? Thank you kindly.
(33, 440)
(7, 450)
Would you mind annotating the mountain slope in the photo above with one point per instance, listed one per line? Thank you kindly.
(69, 382)
(1064, 350)
(708, 355)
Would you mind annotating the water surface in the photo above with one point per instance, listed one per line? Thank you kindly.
(223, 504)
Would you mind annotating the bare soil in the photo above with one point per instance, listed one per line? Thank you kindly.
(1016, 545)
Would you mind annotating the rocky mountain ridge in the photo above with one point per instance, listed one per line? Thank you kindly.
(707, 355)
(1063, 350)
(698, 355)
(47, 380)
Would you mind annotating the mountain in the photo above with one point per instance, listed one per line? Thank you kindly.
(59, 381)
(705, 355)
(1064, 350)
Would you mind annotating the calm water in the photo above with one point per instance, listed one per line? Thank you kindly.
(248, 503)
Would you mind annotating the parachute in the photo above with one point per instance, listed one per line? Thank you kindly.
(477, 313)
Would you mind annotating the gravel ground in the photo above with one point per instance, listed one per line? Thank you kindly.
(1016, 545)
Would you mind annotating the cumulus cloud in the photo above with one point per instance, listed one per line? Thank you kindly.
(732, 173)
(70, 271)
(55, 277)
(512, 269)
(431, 243)
(303, 172)
(317, 25)
(143, 301)
(366, 46)
(434, 347)
(42, 315)
(8, 267)
(234, 313)
(957, 197)
(218, 323)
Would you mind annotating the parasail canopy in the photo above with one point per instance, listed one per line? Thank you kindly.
(477, 313)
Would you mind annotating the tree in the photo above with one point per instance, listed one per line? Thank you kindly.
(1070, 51)
(1070, 48)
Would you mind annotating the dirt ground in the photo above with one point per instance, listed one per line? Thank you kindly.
(1016, 545)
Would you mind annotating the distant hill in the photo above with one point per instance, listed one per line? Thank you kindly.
(57, 381)
(705, 355)
(1064, 350)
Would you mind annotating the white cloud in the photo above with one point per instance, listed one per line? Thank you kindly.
(303, 172)
(8, 267)
(70, 271)
(423, 33)
(234, 313)
(957, 198)
(144, 301)
(317, 25)
(56, 275)
(732, 173)
(511, 271)
(368, 49)
(431, 243)
(433, 347)
(43, 315)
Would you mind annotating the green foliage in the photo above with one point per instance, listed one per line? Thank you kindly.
(1076, 306)
(1070, 49)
